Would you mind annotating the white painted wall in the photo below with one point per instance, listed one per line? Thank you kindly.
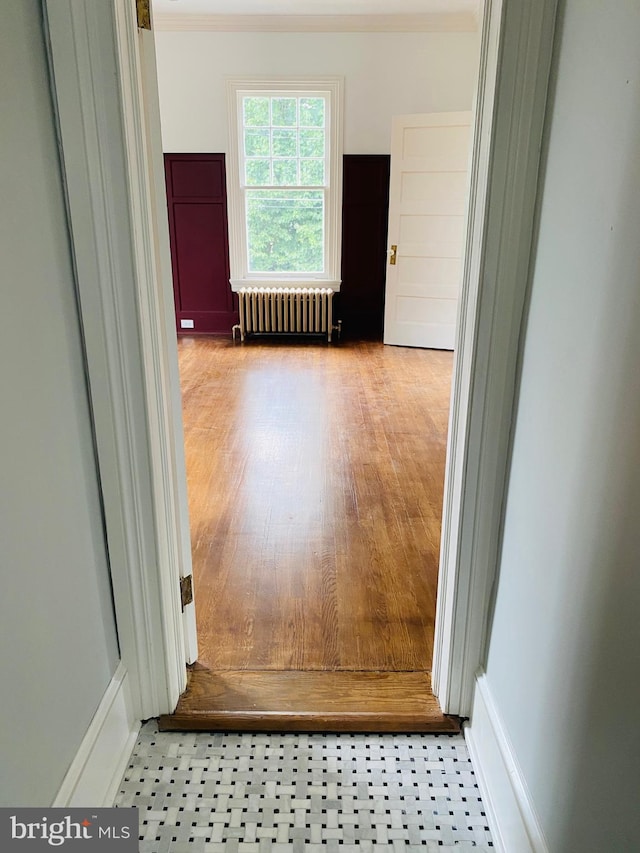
(57, 629)
(564, 656)
(385, 74)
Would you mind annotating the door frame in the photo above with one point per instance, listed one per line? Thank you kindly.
(149, 544)
(515, 61)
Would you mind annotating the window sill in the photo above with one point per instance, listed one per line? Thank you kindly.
(293, 283)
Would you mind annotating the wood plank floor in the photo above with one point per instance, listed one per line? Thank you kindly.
(315, 479)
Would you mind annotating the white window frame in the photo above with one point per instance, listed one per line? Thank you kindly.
(332, 89)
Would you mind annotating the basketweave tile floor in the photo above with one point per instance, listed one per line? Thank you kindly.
(283, 793)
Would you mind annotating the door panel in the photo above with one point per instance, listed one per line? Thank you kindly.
(428, 192)
(197, 178)
(433, 192)
(198, 264)
(197, 203)
(443, 145)
(412, 309)
(430, 272)
(441, 229)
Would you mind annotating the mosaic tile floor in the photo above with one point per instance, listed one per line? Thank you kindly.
(284, 793)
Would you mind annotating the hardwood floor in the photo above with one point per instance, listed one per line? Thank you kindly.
(315, 478)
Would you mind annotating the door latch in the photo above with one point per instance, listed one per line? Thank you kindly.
(393, 251)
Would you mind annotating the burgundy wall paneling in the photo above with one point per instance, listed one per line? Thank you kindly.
(198, 231)
(365, 212)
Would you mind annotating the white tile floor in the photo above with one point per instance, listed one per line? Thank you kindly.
(283, 793)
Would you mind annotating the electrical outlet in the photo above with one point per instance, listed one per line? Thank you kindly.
(186, 324)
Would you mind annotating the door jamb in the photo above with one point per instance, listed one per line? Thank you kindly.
(150, 233)
(517, 43)
(146, 560)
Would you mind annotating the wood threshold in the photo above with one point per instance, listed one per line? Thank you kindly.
(320, 701)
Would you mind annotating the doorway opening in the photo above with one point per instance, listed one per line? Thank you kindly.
(310, 557)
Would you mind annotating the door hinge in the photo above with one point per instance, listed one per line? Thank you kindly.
(186, 590)
(143, 8)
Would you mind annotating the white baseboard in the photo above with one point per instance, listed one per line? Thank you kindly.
(510, 812)
(96, 771)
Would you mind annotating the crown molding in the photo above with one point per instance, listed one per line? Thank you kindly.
(455, 22)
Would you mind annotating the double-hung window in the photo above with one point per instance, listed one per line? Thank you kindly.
(285, 181)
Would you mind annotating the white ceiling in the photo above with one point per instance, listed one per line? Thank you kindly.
(315, 7)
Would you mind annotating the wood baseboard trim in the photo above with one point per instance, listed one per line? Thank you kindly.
(96, 771)
(321, 701)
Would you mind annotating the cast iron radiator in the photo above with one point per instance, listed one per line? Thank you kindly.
(285, 310)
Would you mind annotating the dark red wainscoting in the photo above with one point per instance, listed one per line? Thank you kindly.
(197, 203)
(365, 211)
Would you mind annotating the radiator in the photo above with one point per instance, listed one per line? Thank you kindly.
(274, 310)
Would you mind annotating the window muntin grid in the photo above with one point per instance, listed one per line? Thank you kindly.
(284, 140)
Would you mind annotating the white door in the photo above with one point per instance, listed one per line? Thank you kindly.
(427, 206)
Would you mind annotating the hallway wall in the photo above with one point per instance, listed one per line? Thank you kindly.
(564, 652)
(57, 627)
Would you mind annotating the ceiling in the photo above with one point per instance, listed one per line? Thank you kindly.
(315, 7)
